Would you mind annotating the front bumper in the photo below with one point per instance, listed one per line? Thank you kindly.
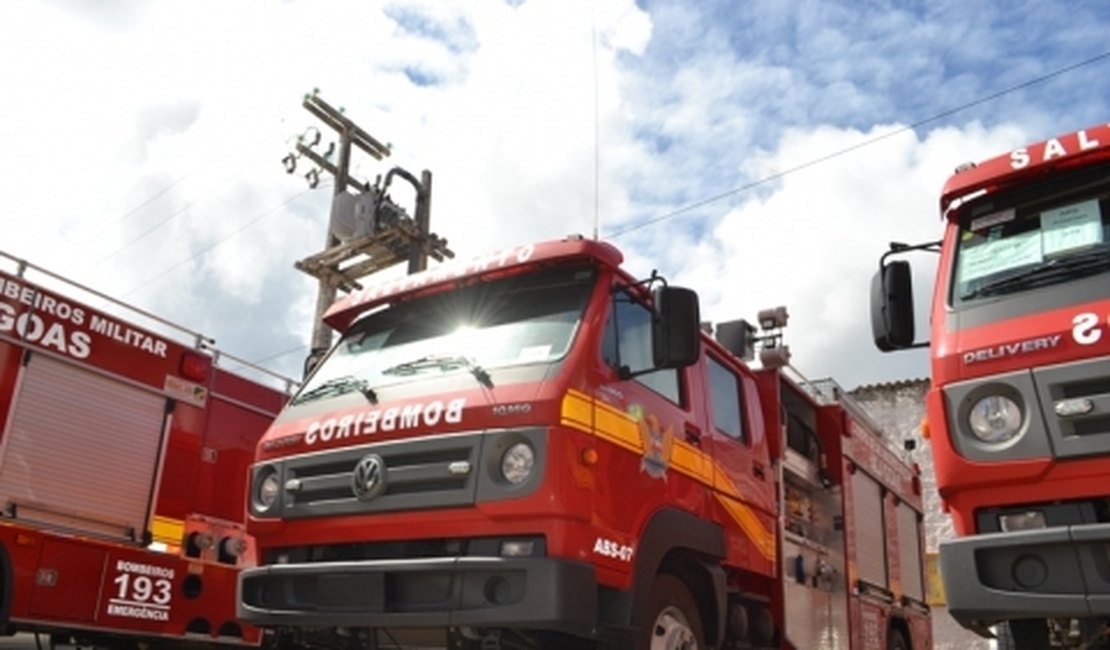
(1062, 571)
(524, 593)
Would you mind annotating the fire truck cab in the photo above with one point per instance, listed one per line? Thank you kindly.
(536, 449)
(1019, 407)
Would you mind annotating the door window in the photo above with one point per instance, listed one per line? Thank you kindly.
(724, 394)
(627, 345)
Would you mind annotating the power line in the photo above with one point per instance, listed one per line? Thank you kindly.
(178, 212)
(152, 199)
(157, 195)
(279, 355)
(218, 242)
(221, 241)
(840, 152)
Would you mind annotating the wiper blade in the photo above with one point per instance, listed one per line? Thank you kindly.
(339, 386)
(1049, 272)
(442, 362)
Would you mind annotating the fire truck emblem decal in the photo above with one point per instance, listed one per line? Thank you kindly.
(368, 479)
(657, 443)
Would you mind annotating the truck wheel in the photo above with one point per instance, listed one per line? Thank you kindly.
(1029, 634)
(673, 621)
(895, 640)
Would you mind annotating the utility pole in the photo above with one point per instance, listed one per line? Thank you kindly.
(349, 133)
(418, 258)
(388, 234)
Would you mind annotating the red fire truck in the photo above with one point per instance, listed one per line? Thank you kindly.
(123, 469)
(536, 449)
(1019, 408)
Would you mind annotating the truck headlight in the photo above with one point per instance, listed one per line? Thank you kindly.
(266, 490)
(995, 419)
(517, 547)
(517, 463)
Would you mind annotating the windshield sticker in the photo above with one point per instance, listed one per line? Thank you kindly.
(1072, 226)
(534, 353)
(993, 219)
(991, 257)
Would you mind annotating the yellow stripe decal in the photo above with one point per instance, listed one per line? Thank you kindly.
(167, 530)
(618, 427)
(730, 497)
(692, 461)
(580, 411)
(576, 411)
(750, 523)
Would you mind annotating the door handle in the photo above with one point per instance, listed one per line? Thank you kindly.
(693, 435)
(759, 471)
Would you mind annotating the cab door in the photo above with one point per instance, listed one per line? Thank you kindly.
(647, 428)
(743, 477)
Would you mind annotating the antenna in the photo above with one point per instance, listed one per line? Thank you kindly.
(597, 128)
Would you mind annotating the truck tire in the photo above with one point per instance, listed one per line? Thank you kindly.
(1029, 634)
(673, 621)
(896, 640)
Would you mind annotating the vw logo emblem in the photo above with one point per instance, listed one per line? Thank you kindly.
(368, 479)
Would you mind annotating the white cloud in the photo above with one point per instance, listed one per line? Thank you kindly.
(814, 241)
(144, 142)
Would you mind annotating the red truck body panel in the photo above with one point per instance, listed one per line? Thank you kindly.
(124, 451)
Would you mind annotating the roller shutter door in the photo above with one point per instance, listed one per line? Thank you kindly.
(909, 552)
(867, 498)
(81, 450)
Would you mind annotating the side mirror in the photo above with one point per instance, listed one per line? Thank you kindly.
(315, 356)
(892, 306)
(676, 327)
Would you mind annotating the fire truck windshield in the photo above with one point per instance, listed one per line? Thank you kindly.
(1009, 249)
(522, 319)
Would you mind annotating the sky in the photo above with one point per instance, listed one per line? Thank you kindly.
(761, 152)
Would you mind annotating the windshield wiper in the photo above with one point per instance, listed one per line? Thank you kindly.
(442, 362)
(339, 386)
(1049, 272)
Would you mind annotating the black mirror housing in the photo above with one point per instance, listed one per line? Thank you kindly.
(676, 327)
(892, 306)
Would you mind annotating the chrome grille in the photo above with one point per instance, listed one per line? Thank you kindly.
(426, 473)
